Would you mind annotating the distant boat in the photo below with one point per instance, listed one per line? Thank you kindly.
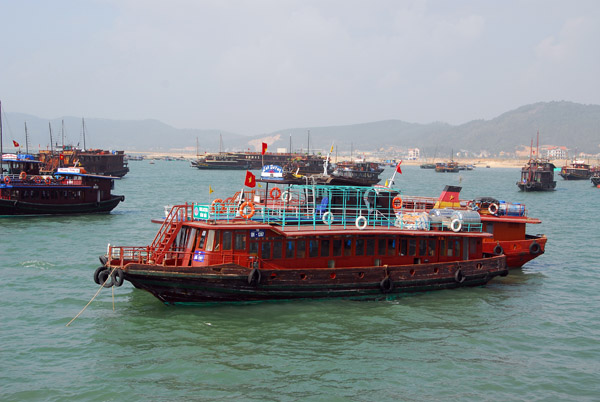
(537, 174)
(577, 170)
(447, 167)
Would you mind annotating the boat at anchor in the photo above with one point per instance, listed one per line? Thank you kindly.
(300, 242)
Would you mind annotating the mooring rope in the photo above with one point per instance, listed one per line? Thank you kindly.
(97, 293)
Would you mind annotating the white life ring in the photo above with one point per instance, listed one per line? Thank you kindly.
(456, 225)
(327, 218)
(493, 208)
(286, 196)
(361, 222)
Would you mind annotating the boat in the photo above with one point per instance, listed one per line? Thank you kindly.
(596, 179)
(576, 170)
(307, 242)
(222, 161)
(537, 174)
(356, 173)
(447, 167)
(507, 222)
(66, 191)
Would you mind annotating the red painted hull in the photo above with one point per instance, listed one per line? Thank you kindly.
(518, 252)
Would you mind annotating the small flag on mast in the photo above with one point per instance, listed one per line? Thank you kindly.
(210, 190)
(398, 169)
(15, 143)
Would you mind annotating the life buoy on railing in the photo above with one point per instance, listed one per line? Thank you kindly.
(327, 218)
(47, 180)
(243, 213)
(286, 196)
(456, 225)
(6, 179)
(23, 176)
(397, 203)
(37, 179)
(275, 193)
(493, 208)
(217, 206)
(361, 222)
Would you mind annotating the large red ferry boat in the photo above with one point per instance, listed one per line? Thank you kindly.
(306, 242)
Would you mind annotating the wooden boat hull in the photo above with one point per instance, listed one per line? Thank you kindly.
(14, 207)
(235, 283)
(536, 186)
(518, 252)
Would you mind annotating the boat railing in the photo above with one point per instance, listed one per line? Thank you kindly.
(123, 255)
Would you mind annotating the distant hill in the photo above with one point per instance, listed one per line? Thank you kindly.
(573, 125)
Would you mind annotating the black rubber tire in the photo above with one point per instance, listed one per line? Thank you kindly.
(535, 248)
(458, 276)
(254, 277)
(105, 278)
(118, 276)
(386, 285)
(97, 273)
(498, 250)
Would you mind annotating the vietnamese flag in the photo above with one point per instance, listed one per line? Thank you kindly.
(264, 147)
(15, 143)
(250, 179)
(398, 169)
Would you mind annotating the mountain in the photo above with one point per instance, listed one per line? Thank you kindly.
(573, 125)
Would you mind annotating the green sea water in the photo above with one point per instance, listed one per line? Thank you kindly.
(533, 335)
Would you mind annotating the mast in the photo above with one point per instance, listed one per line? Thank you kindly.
(26, 139)
(50, 129)
(537, 145)
(308, 148)
(197, 148)
(83, 130)
(220, 142)
(62, 131)
(290, 143)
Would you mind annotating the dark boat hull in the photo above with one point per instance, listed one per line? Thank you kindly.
(537, 186)
(596, 180)
(14, 207)
(232, 283)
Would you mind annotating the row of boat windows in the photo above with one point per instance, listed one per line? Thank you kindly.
(349, 245)
(46, 194)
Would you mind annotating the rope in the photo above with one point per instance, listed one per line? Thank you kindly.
(90, 302)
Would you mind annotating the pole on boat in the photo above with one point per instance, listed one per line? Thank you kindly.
(26, 139)
(50, 129)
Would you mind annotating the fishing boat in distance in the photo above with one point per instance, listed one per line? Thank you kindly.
(310, 242)
(537, 174)
(596, 178)
(447, 167)
(576, 170)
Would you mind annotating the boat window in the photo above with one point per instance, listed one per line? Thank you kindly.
(337, 247)
(325, 248)
(488, 227)
(301, 249)
(202, 240)
(403, 246)
(277, 249)
(381, 248)
(360, 246)
(391, 246)
(450, 248)
(266, 250)
(412, 247)
(348, 246)
(253, 248)
(422, 247)
(457, 247)
(227, 240)
(431, 247)
(313, 248)
(210, 240)
(290, 248)
(217, 246)
(370, 246)
(240, 241)
(443, 251)
(191, 239)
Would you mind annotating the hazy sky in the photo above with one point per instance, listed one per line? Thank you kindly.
(253, 67)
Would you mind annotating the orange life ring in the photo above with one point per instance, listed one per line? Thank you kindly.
(47, 180)
(23, 176)
(37, 179)
(397, 203)
(275, 193)
(247, 204)
(221, 206)
(6, 179)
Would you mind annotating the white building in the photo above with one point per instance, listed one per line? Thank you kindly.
(414, 154)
